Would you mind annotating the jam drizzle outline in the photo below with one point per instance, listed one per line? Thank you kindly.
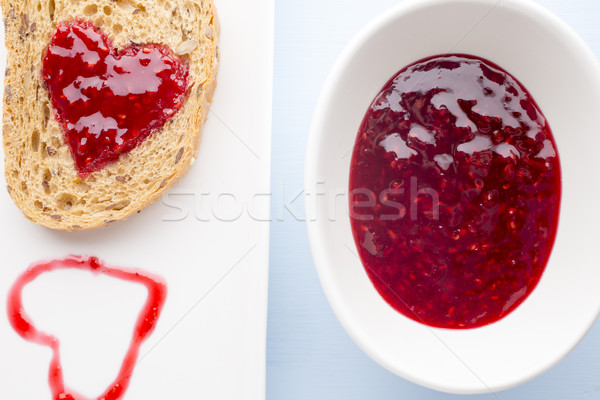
(145, 323)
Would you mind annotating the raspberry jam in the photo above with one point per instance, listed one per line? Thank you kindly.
(107, 100)
(455, 190)
(145, 324)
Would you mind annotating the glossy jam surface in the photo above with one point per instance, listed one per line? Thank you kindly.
(144, 326)
(107, 100)
(454, 192)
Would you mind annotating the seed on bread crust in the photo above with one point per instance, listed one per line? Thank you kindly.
(179, 155)
(7, 94)
(209, 32)
(186, 47)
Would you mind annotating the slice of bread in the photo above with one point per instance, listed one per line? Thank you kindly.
(40, 171)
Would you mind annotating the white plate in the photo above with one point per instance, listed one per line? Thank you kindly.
(564, 77)
(212, 251)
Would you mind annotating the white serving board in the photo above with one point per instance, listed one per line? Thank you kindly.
(208, 238)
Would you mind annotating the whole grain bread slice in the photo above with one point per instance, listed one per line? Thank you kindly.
(40, 171)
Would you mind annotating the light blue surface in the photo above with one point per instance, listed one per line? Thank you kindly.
(309, 355)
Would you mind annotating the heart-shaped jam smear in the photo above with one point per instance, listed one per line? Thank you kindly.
(145, 324)
(107, 100)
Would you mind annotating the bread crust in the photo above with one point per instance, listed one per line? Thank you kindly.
(40, 171)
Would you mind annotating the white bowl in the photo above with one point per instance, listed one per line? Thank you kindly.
(563, 76)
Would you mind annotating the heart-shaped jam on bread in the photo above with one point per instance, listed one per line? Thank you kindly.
(110, 100)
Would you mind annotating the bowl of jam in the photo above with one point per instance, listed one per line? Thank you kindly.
(448, 177)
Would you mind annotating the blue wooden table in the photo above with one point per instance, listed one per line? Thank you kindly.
(309, 355)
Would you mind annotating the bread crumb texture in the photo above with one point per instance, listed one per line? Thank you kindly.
(39, 168)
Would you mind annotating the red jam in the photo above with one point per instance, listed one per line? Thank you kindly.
(107, 100)
(20, 321)
(455, 191)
